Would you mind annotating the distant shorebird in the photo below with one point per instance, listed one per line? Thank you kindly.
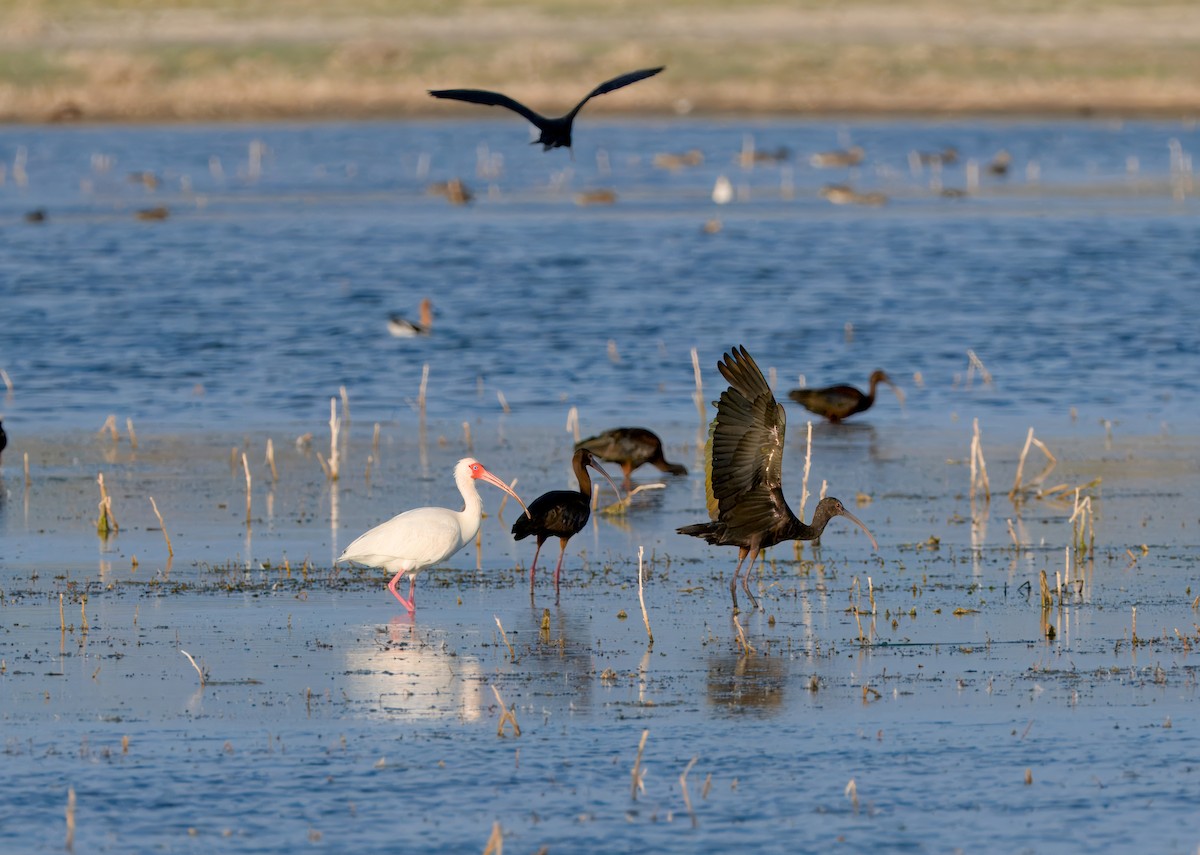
(631, 447)
(838, 402)
(402, 327)
(743, 473)
(555, 132)
(1000, 163)
(844, 194)
(852, 156)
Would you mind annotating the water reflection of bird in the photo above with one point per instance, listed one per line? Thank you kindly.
(631, 447)
(562, 513)
(423, 537)
(555, 132)
(838, 402)
(745, 683)
(402, 327)
(743, 465)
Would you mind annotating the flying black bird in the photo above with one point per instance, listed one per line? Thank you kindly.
(562, 513)
(743, 463)
(837, 402)
(555, 132)
(631, 447)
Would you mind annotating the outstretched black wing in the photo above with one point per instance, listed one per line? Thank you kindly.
(490, 99)
(615, 83)
(745, 447)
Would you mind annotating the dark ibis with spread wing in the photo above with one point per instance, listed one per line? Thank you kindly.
(743, 480)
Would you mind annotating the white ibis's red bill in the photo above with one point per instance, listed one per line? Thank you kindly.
(743, 461)
(631, 447)
(562, 513)
(837, 402)
(423, 537)
(555, 132)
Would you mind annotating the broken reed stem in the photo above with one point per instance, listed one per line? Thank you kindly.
(110, 427)
(271, 460)
(203, 680)
(979, 476)
(699, 395)
(684, 787)
(375, 439)
(8, 384)
(506, 714)
(1013, 534)
(1047, 600)
(83, 624)
(70, 841)
(495, 841)
(973, 363)
(162, 525)
(807, 466)
(511, 654)
(421, 389)
(62, 618)
(504, 498)
(345, 404)
(573, 423)
(642, 598)
(1021, 464)
(467, 436)
(249, 494)
(132, 435)
(855, 593)
(503, 401)
(636, 774)
(28, 483)
(747, 648)
(107, 523)
(335, 427)
(1135, 636)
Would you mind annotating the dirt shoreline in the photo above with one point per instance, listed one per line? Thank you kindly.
(205, 60)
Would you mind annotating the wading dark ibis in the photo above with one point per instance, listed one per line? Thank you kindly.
(561, 513)
(743, 462)
(838, 402)
(423, 537)
(555, 132)
(631, 447)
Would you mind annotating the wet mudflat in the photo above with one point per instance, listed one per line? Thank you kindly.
(909, 699)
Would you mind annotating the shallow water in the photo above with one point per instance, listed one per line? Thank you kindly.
(269, 287)
(923, 673)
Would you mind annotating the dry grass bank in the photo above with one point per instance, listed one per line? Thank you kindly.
(219, 59)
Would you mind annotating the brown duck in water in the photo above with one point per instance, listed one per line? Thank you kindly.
(743, 465)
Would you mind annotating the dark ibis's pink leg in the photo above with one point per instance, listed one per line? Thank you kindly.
(409, 603)
(746, 578)
(558, 567)
(533, 566)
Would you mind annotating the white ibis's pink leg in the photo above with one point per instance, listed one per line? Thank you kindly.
(409, 603)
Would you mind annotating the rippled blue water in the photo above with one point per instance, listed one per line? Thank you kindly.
(1072, 279)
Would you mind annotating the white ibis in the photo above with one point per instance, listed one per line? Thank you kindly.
(423, 537)
(743, 463)
(555, 132)
(562, 513)
(402, 327)
(631, 447)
